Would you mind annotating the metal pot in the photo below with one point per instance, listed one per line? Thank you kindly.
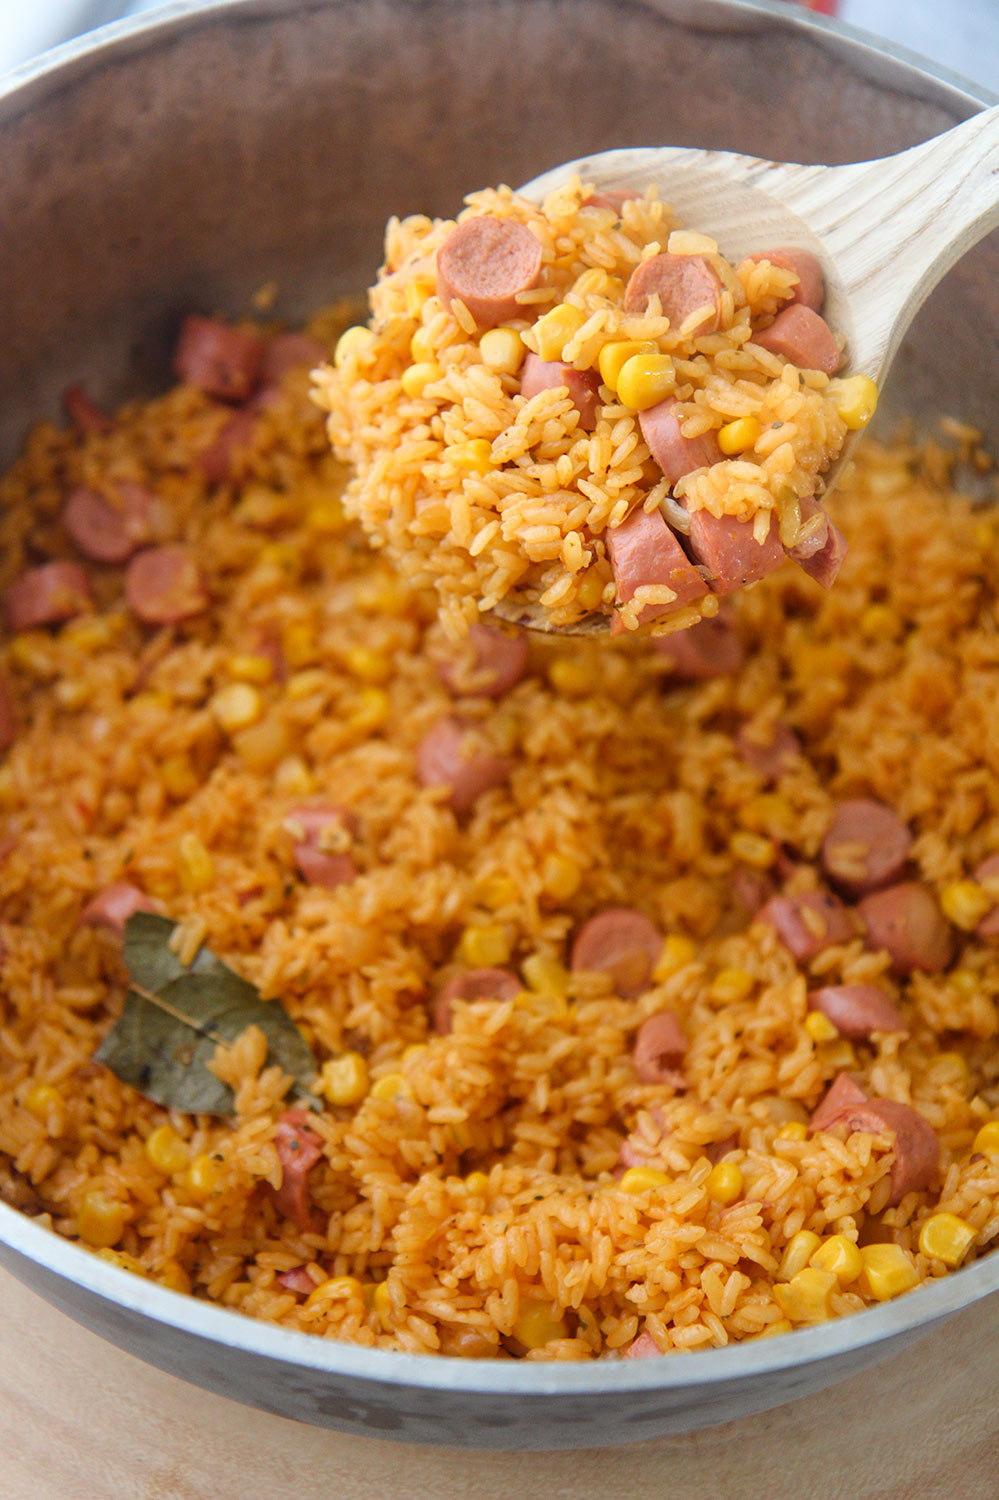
(182, 162)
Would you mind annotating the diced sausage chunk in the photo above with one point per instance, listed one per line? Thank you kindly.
(866, 845)
(323, 836)
(857, 1010)
(106, 530)
(8, 723)
(659, 1049)
(916, 1145)
(987, 930)
(684, 284)
(644, 1347)
(810, 289)
(768, 749)
(622, 943)
(86, 416)
(453, 755)
(218, 360)
(675, 454)
(820, 554)
(164, 586)
(729, 549)
(613, 198)
(498, 662)
(112, 907)
(473, 984)
(225, 456)
(484, 263)
(906, 921)
(298, 1280)
(583, 385)
(802, 338)
(644, 552)
(752, 889)
(842, 1094)
(289, 351)
(299, 1148)
(808, 923)
(47, 595)
(711, 648)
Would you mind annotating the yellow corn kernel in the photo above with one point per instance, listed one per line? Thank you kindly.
(351, 342)
(195, 864)
(880, 621)
(203, 1177)
(101, 1221)
(966, 982)
(31, 653)
(247, 667)
(418, 289)
(965, 903)
(887, 1272)
(769, 812)
(797, 1253)
(561, 876)
(951, 1063)
(855, 400)
(643, 1180)
(573, 676)
(421, 346)
(382, 1304)
(537, 1325)
(261, 746)
(794, 1130)
(292, 778)
(819, 1027)
(179, 776)
(497, 891)
(772, 1330)
(806, 1298)
(484, 947)
(236, 706)
(391, 1086)
(590, 589)
(414, 1051)
(987, 1139)
(370, 709)
(503, 350)
(946, 1237)
(678, 952)
(298, 643)
(724, 1182)
(416, 378)
(304, 684)
(368, 665)
(42, 1101)
(544, 975)
(325, 516)
(475, 455)
(554, 329)
(547, 1004)
(614, 356)
(336, 1289)
(731, 984)
(123, 1261)
(753, 849)
(477, 1183)
(644, 380)
(167, 1151)
(344, 1079)
(736, 437)
(173, 1276)
(840, 1256)
(92, 632)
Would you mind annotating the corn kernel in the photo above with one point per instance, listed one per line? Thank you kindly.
(298, 643)
(414, 1051)
(887, 1272)
(475, 455)
(544, 975)
(819, 1027)
(292, 778)
(855, 400)
(572, 676)
(736, 437)
(987, 1139)
(418, 289)
(840, 1256)
(196, 866)
(839, 1055)
(31, 653)
(794, 1130)
(336, 1289)
(370, 709)
(101, 1221)
(497, 891)
(123, 1261)
(731, 985)
(561, 876)
(352, 341)
(965, 903)
(382, 1303)
(966, 982)
(91, 633)
(236, 706)
(549, 1005)
(477, 1183)
(946, 1237)
(773, 1330)
(247, 667)
(43, 1101)
(724, 1182)
(391, 1086)
(554, 329)
(484, 947)
(537, 1325)
(178, 776)
(167, 1151)
(806, 1298)
(880, 621)
(797, 1253)
(305, 684)
(261, 746)
(678, 952)
(368, 665)
(503, 350)
(753, 849)
(421, 346)
(344, 1079)
(645, 379)
(326, 517)
(642, 1180)
(203, 1177)
(415, 378)
(590, 589)
(769, 812)
(173, 1276)
(614, 356)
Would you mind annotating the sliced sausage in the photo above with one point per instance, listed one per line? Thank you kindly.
(803, 338)
(112, 907)
(218, 360)
(47, 595)
(484, 263)
(614, 199)
(110, 531)
(289, 351)
(660, 1047)
(452, 755)
(499, 662)
(8, 722)
(644, 1347)
(225, 456)
(808, 923)
(842, 1094)
(906, 921)
(825, 562)
(675, 454)
(752, 888)
(727, 547)
(768, 749)
(683, 283)
(811, 288)
(621, 942)
(299, 1148)
(323, 837)
(857, 1010)
(916, 1146)
(711, 648)
(643, 550)
(583, 385)
(298, 1280)
(988, 928)
(866, 846)
(164, 586)
(86, 416)
(473, 984)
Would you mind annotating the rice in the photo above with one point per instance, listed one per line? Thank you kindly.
(469, 1200)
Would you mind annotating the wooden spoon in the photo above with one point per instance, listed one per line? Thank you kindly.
(885, 232)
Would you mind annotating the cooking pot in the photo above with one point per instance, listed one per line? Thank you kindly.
(183, 161)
